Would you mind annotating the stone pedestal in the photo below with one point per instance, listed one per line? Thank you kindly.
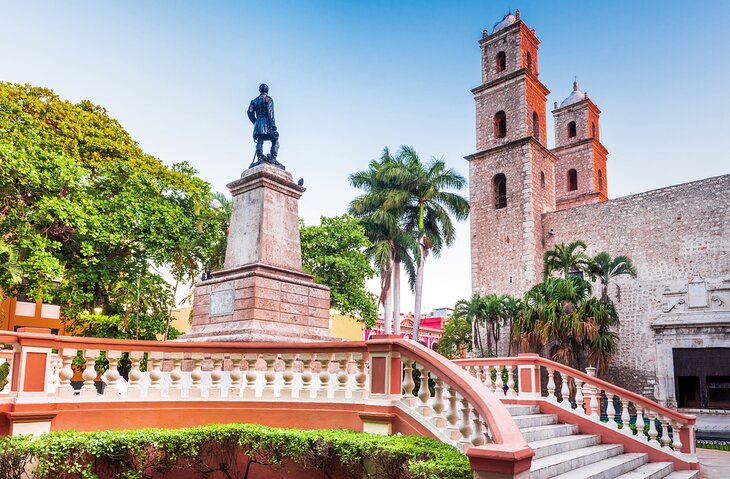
(262, 294)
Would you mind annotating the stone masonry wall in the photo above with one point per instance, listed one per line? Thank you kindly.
(670, 234)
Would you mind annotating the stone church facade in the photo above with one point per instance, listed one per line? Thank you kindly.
(526, 198)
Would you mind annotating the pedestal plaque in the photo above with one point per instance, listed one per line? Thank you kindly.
(262, 294)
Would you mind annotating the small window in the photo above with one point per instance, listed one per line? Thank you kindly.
(535, 125)
(542, 179)
(501, 62)
(572, 180)
(571, 129)
(500, 190)
(529, 61)
(500, 125)
(593, 129)
(600, 180)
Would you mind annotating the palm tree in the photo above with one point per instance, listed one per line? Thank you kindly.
(604, 268)
(494, 312)
(511, 309)
(391, 246)
(471, 310)
(566, 259)
(420, 192)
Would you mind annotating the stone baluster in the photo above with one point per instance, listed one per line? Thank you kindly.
(551, 385)
(511, 381)
(342, 377)
(134, 389)
(196, 375)
(249, 389)
(472, 370)
(216, 375)
(477, 437)
(234, 390)
(324, 377)
(360, 379)
(175, 389)
(595, 395)
(676, 441)
(611, 411)
(154, 366)
(652, 429)
(286, 391)
(65, 390)
(498, 383)
(88, 390)
(269, 376)
(438, 407)
(112, 391)
(579, 396)
(665, 440)
(640, 423)
(53, 369)
(408, 383)
(306, 391)
(488, 380)
(625, 417)
(424, 394)
(465, 426)
(452, 416)
(564, 391)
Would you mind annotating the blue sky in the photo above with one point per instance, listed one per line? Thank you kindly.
(351, 77)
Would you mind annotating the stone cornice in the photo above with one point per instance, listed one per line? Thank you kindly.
(512, 144)
(522, 72)
(592, 140)
(268, 175)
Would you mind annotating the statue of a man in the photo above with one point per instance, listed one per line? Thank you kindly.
(261, 114)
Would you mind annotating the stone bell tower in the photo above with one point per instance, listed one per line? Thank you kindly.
(512, 173)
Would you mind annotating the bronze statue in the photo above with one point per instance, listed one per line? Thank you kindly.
(261, 114)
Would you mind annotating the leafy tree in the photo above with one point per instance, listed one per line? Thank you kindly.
(566, 259)
(335, 253)
(457, 336)
(604, 269)
(83, 203)
(472, 311)
(420, 193)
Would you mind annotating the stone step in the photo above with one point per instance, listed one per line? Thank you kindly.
(652, 470)
(556, 445)
(519, 410)
(608, 468)
(564, 462)
(684, 475)
(539, 433)
(532, 420)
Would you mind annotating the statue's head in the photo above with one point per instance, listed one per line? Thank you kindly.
(263, 88)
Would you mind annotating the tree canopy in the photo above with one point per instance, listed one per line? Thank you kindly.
(334, 252)
(90, 212)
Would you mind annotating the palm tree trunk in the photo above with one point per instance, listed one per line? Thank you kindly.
(419, 289)
(387, 300)
(396, 297)
(169, 313)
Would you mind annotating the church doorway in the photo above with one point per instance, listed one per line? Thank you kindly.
(702, 377)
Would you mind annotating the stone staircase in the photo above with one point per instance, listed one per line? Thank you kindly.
(561, 451)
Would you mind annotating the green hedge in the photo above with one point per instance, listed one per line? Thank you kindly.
(137, 454)
(4, 372)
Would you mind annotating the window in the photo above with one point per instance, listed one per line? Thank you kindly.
(500, 190)
(571, 129)
(572, 180)
(542, 179)
(600, 180)
(500, 125)
(501, 62)
(535, 125)
(593, 129)
(529, 61)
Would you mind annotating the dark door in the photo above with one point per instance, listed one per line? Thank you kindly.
(702, 377)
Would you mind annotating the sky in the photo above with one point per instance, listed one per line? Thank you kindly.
(350, 77)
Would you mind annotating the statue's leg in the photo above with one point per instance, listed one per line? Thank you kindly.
(259, 149)
(274, 147)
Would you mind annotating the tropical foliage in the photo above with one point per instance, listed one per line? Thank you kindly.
(456, 337)
(89, 213)
(566, 259)
(492, 311)
(335, 253)
(407, 212)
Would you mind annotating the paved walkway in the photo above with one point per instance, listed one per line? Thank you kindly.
(714, 464)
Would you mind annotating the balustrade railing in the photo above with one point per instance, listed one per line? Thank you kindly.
(586, 395)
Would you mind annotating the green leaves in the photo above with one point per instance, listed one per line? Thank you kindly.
(334, 252)
(206, 449)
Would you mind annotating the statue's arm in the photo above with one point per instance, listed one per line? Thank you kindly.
(251, 115)
(271, 113)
